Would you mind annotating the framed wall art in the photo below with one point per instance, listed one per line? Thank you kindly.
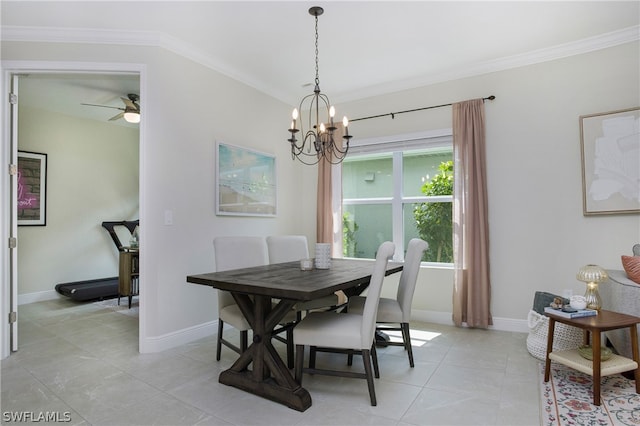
(32, 188)
(246, 182)
(610, 144)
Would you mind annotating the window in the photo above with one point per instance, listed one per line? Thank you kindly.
(395, 190)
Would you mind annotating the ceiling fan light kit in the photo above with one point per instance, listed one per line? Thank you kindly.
(130, 112)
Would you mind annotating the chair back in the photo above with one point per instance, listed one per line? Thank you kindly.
(287, 248)
(237, 253)
(385, 252)
(409, 276)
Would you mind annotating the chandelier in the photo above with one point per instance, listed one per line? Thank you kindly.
(317, 141)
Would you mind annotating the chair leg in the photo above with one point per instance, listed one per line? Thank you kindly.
(366, 359)
(244, 340)
(219, 345)
(374, 357)
(406, 337)
(350, 358)
(299, 363)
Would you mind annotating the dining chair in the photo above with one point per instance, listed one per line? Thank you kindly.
(344, 332)
(290, 248)
(398, 310)
(235, 253)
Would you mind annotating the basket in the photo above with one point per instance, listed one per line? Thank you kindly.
(564, 336)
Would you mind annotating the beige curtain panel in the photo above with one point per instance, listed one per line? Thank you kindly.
(324, 215)
(472, 287)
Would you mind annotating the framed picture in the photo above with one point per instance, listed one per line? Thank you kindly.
(246, 182)
(610, 143)
(32, 188)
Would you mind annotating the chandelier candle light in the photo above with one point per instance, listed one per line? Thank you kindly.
(592, 275)
(317, 134)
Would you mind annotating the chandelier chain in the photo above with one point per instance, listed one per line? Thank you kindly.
(317, 68)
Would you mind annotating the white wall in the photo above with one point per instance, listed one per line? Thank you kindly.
(92, 177)
(538, 234)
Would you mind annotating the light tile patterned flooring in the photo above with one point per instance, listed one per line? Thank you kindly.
(82, 359)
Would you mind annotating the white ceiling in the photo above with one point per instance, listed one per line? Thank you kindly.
(366, 48)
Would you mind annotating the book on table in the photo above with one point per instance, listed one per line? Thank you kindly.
(577, 314)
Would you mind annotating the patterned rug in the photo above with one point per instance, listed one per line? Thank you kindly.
(567, 399)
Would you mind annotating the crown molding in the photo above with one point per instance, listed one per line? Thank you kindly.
(179, 47)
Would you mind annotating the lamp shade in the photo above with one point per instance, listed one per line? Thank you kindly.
(592, 274)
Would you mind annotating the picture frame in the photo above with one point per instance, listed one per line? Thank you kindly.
(610, 151)
(32, 189)
(245, 182)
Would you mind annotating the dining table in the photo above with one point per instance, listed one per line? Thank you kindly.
(265, 294)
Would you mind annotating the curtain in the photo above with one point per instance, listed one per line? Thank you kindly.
(328, 215)
(472, 286)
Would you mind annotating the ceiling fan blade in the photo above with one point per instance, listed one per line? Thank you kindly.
(103, 106)
(130, 104)
(117, 117)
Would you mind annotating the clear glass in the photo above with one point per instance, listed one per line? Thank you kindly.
(439, 234)
(367, 176)
(365, 227)
(420, 167)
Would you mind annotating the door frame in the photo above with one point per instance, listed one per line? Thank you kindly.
(9, 69)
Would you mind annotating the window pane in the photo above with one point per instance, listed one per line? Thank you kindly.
(364, 228)
(433, 223)
(420, 167)
(367, 176)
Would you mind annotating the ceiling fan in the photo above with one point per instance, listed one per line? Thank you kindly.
(130, 112)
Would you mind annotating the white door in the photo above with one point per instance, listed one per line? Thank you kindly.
(13, 216)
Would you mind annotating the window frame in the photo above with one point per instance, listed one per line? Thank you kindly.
(397, 145)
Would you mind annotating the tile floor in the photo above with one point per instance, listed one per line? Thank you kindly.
(80, 361)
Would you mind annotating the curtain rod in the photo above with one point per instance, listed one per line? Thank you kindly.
(393, 114)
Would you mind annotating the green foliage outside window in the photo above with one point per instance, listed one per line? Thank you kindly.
(434, 220)
(349, 228)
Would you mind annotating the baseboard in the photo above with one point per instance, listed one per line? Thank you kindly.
(39, 296)
(501, 324)
(178, 337)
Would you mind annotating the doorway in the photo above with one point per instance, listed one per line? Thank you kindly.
(83, 149)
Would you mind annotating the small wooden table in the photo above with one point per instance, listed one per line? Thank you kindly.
(253, 290)
(593, 326)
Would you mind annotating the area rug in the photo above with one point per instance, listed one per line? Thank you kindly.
(567, 399)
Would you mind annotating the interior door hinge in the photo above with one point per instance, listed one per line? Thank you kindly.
(13, 242)
(13, 170)
(13, 98)
(13, 317)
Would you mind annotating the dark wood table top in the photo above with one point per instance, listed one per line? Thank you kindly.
(287, 281)
(604, 321)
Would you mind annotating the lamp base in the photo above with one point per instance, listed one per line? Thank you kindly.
(593, 297)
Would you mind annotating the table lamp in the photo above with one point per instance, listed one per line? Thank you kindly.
(592, 275)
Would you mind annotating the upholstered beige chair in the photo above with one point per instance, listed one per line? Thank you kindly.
(290, 248)
(398, 310)
(236, 253)
(341, 332)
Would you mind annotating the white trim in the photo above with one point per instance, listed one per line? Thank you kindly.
(175, 45)
(38, 296)
(12, 67)
(178, 337)
(445, 318)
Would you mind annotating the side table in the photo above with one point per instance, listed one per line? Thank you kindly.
(593, 326)
(129, 274)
